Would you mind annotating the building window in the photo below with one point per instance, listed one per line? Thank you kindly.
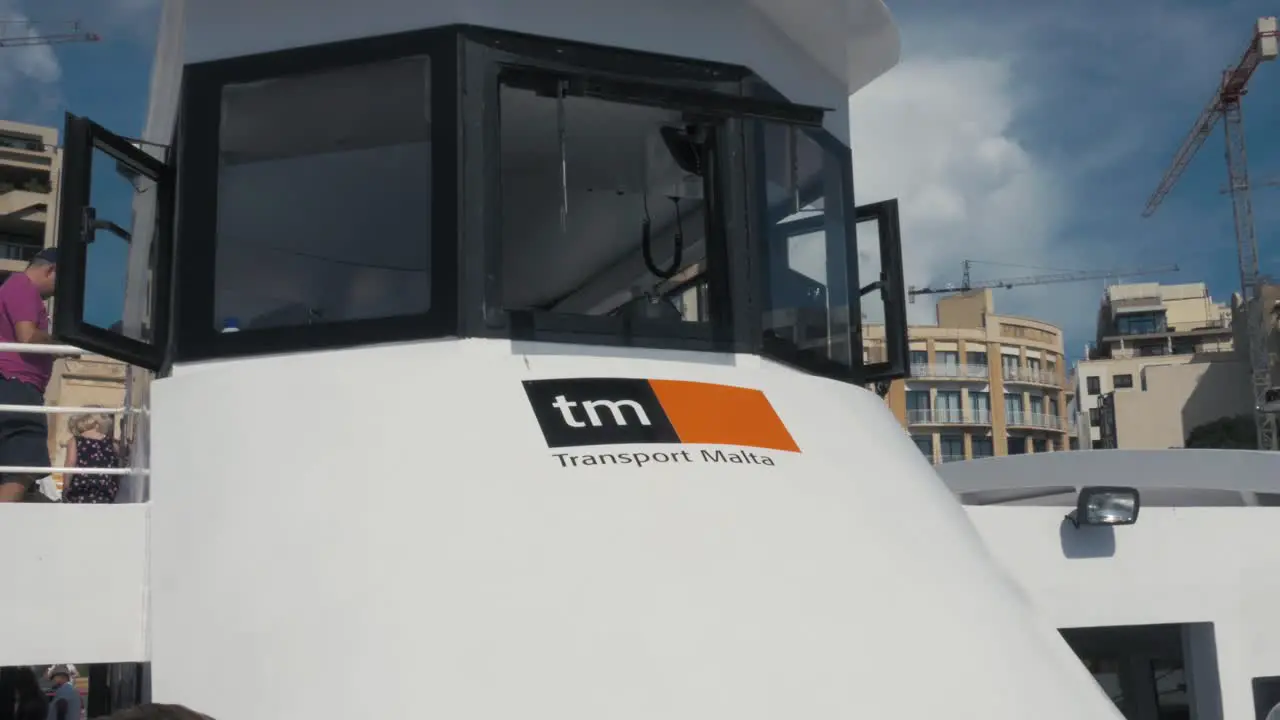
(976, 358)
(1053, 406)
(1040, 445)
(21, 142)
(948, 406)
(1093, 385)
(1009, 363)
(1037, 405)
(1033, 364)
(918, 400)
(1097, 445)
(1122, 382)
(948, 362)
(1095, 415)
(952, 448)
(1017, 445)
(982, 447)
(980, 403)
(1013, 409)
(919, 357)
(925, 444)
(1143, 323)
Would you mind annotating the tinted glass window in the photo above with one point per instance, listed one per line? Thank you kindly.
(602, 208)
(324, 190)
(809, 299)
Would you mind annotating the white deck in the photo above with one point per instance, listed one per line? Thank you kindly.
(1182, 562)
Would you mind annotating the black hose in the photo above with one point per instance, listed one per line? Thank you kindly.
(646, 243)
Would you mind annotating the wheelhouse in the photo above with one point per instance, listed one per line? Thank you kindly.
(469, 182)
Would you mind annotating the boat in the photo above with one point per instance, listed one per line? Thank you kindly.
(1171, 611)
(498, 358)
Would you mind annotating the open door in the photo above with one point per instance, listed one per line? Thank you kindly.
(883, 297)
(114, 241)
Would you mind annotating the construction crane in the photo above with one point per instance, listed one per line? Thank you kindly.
(1268, 183)
(1062, 277)
(22, 33)
(1225, 105)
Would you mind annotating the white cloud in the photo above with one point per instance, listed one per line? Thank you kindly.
(936, 134)
(33, 67)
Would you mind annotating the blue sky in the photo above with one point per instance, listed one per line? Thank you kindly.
(106, 81)
(1023, 133)
(1033, 134)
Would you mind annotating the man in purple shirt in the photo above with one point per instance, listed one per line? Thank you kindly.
(24, 437)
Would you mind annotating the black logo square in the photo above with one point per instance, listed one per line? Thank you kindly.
(598, 411)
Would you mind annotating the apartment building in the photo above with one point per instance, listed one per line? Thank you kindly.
(983, 384)
(29, 169)
(1162, 363)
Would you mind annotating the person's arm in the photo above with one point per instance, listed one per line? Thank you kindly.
(27, 332)
(26, 310)
(60, 705)
(71, 453)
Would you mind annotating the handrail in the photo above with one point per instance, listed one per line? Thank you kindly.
(66, 410)
(38, 349)
(69, 351)
(23, 470)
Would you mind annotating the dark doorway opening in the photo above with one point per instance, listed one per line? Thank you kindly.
(1147, 670)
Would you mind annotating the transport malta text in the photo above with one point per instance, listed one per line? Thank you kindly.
(676, 457)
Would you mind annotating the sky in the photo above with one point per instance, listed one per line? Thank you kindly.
(1033, 134)
(106, 81)
(1029, 134)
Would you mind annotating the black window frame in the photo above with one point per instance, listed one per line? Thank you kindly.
(1123, 381)
(888, 284)
(466, 64)
(1093, 385)
(81, 136)
(707, 90)
(198, 158)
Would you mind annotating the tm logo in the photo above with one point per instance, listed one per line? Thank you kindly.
(592, 410)
(576, 412)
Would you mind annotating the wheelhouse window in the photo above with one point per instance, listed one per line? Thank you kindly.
(810, 276)
(469, 182)
(603, 210)
(324, 198)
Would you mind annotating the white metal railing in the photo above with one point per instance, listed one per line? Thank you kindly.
(947, 370)
(948, 416)
(1033, 419)
(1029, 375)
(66, 351)
(33, 349)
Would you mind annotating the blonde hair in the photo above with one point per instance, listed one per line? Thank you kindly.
(102, 422)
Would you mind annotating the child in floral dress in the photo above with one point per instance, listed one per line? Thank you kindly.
(92, 445)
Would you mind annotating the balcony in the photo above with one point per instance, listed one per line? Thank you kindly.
(947, 458)
(949, 416)
(1030, 376)
(23, 203)
(1036, 420)
(950, 372)
(21, 252)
